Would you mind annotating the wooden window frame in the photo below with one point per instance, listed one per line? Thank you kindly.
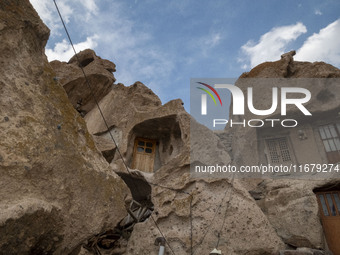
(323, 193)
(145, 140)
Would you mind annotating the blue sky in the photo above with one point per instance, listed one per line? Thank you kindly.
(164, 43)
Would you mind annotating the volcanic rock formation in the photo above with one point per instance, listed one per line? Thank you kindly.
(82, 91)
(56, 190)
(135, 111)
(290, 205)
(66, 175)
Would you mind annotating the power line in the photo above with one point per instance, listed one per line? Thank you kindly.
(190, 210)
(191, 234)
(162, 234)
(117, 148)
(172, 189)
(89, 86)
(225, 214)
(217, 210)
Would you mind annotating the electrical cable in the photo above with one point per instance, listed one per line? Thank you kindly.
(101, 113)
(225, 214)
(217, 210)
(162, 234)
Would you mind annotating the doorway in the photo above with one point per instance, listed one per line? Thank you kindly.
(329, 204)
(144, 154)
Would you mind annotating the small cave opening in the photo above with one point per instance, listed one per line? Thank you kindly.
(167, 136)
(109, 155)
(139, 187)
(86, 61)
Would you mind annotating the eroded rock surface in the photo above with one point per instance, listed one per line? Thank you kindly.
(290, 205)
(56, 190)
(292, 209)
(246, 229)
(286, 67)
(135, 111)
(99, 78)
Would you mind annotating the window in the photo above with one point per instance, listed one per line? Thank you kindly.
(330, 138)
(278, 150)
(144, 147)
(329, 203)
(323, 205)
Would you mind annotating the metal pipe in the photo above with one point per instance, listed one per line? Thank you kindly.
(161, 242)
(161, 250)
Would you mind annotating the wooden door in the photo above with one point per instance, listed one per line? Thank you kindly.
(329, 204)
(330, 137)
(144, 154)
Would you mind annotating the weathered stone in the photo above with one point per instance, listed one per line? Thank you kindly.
(296, 252)
(286, 67)
(246, 229)
(99, 77)
(56, 189)
(136, 112)
(246, 140)
(290, 205)
(292, 209)
(84, 251)
(313, 251)
(302, 251)
(106, 147)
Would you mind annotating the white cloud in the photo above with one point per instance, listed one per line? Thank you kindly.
(271, 44)
(244, 66)
(118, 38)
(90, 5)
(63, 50)
(69, 9)
(205, 44)
(213, 40)
(131, 46)
(317, 12)
(46, 11)
(322, 46)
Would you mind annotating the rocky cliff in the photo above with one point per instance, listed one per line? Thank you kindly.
(284, 72)
(70, 184)
(99, 78)
(175, 198)
(56, 188)
(290, 205)
(286, 67)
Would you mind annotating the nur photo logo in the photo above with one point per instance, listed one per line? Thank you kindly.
(278, 96)
(204, 97)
